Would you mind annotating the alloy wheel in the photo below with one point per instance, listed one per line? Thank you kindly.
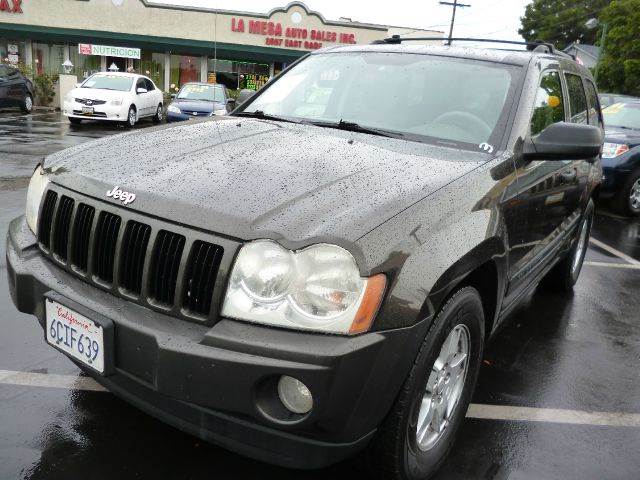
(444, 388)
(28, 103)
(634, 196)
(159, 113)
(132, 117)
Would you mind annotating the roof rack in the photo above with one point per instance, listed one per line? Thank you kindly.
(535, 46)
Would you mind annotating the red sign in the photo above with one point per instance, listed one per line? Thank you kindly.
(84, 49)
(15, 6)
(291, 37)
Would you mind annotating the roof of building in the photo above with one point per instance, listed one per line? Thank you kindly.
(591, 50)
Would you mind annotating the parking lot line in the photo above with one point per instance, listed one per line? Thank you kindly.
(553, 415)
(613, 265)
(615, 252)
(476, 411)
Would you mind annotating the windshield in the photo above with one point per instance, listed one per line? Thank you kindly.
(626, 115)
(207, 93)
(424, 98)
(109, 82)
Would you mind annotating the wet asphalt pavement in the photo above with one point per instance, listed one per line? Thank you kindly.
(573, 353)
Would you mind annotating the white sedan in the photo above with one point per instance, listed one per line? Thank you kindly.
(117, 97)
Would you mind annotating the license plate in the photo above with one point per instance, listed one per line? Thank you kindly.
(87, 110)
(76, 335)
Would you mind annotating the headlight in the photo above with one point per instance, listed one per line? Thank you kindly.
(117, 102)
(173, 109)
(222, 111)
(317, 288)
(612, 150)
(37, 186)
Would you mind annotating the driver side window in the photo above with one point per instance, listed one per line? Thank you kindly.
(549, 103)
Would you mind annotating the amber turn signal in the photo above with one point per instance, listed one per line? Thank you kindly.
(370, 304)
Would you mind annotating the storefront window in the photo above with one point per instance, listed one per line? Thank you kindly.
(83, 65)
(152, 65)
(12, 51)
(236, 75)
(47, 58)
(184, 68)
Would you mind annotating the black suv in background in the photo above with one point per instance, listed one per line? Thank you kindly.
(16, 90)
(317, 274)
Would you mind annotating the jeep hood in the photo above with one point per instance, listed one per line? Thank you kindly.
(250, 179)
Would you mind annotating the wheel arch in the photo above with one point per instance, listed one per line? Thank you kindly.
(483, 268)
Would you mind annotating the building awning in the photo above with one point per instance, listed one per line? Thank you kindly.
(160, 44)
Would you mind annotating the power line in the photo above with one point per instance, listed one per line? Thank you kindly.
(455, 6)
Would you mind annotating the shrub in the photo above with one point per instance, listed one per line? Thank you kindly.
(45, 91)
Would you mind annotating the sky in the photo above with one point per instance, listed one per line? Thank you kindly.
(496, 19)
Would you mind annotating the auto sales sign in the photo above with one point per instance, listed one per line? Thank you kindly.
(108, 51)
(11, 6)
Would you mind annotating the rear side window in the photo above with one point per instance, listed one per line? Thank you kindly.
(595, 114)
(149, 84)
(141, 83)
(549, 104)
(577, 98)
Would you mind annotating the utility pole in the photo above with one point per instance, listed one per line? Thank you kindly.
(455, 6)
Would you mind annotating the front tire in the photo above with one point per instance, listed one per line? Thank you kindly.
(627, 201)
(421, 427)
(564, 275)
(159, 116)
(131, 118)
(27, 104)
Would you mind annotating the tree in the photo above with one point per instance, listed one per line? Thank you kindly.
(561, 22)
(619, 67)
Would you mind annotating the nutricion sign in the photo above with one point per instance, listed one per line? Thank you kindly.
(107, 51)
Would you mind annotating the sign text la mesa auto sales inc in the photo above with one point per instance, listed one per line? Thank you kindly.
(291, 37)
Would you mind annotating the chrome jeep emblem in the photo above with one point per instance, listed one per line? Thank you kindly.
(124, 197)
(89, 102)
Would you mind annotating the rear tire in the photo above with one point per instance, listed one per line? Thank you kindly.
(27, 104)
(627, 201)
(159, 116)
(408, 446)
(565, 274)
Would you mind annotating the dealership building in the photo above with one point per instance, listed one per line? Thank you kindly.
(172, 44)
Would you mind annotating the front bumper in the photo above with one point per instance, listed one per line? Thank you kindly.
(218, 383)
(113, 113)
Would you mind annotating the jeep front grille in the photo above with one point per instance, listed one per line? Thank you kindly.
(46, 218)
(134, 249)
(105, 246)
(164, 267)
(160, 265)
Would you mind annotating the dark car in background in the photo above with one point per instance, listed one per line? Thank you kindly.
(16, 90)
(621, 157)
(196, 99)
(607, 99)
(318, 273)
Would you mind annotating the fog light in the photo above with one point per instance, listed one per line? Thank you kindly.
(294, 395)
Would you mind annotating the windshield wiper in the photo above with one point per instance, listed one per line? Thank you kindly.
(355, 127)
(264, 116)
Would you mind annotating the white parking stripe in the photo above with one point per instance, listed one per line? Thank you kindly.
(615, 252)
(553, 415)
(613, 265)
(30, 379)
(477, 411)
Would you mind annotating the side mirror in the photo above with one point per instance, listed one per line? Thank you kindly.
(141, 90)
(173, 95)
(231, 102)
(565, 141)
(78, 85)
(244, 95)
